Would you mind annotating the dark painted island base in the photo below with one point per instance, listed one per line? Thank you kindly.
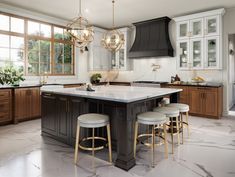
(59, 120)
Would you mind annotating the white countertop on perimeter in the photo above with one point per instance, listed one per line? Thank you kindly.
(124, 94)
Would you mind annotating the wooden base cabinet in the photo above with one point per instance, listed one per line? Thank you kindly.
(206, 101)
(5, 106)
(27, 103)
(203, 101)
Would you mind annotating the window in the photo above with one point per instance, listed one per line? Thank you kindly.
(35, 47)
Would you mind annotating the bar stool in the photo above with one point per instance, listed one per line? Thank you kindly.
(151, 119)
(171, 113)
(93, 121)
(183, 108)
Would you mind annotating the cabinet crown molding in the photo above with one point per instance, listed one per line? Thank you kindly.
(220, 11)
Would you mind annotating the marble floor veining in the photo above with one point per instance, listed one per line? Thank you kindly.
(209, 152)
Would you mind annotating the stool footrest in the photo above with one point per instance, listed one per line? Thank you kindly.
(95, 148)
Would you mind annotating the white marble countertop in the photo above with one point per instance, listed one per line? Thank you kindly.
(124, 94)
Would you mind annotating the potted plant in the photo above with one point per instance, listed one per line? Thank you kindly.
(10, 76)
(95, 78)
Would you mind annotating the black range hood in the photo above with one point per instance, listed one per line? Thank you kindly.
(152, 39)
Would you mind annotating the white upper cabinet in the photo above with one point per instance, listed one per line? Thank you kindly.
(183, 30)
(119, 59)
(183, 54)
(212, 25)
(99, 57)
(199, 40)
(196, 28)
(212, 54)
(196, 53)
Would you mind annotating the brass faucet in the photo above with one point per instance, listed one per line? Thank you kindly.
(43, 78)
(155, 67)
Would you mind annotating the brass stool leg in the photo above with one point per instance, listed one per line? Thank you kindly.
(135, 137)
(177, 127)
(93, 147)
(187, 123)
(109, 143)
(172, 138)
(76, 144)
(153, 145)
(182, 127)
(165, 141)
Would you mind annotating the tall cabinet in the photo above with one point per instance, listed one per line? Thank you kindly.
(119, 60)
(199, 40)
(99, 57)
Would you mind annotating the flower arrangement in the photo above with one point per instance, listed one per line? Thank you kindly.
(10, 76)
(95, 78)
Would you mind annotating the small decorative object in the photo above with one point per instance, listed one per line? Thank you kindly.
(89, 88)
(80, 30)
(95, 78)
(198, 79)
(172, 79)
(10, 76)
(177, 77)
(113, 39)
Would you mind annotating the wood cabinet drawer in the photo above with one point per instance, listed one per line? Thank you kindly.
(4, 106)
(5, 95)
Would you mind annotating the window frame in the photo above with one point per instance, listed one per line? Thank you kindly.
(51, 39)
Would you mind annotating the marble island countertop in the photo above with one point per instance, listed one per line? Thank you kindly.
(124, 94)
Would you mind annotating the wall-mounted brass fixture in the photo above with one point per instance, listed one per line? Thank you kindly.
(155, 67)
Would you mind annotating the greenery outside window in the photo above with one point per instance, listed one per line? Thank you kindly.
(36, 48)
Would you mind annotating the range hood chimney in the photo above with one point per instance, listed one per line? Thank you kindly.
(152, 39)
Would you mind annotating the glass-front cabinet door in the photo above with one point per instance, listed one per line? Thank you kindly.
(183, 54)
(114, 60)
(183, 30)
(196, 27)
(122, 59)
(212, 25)
(196, 53)
(212, 52)
(118, 60)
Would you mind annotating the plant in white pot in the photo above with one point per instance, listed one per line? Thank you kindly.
(10, 76)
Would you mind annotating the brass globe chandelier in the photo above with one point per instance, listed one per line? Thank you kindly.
(80, 30)
(113, 40)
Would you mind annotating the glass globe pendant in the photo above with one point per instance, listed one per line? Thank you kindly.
(113, 40)
(80, 30)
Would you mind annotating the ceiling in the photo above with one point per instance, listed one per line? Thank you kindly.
(99, 12)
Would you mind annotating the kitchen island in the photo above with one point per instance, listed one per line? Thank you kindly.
(61, 107)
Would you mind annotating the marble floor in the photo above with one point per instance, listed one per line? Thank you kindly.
(209, 152)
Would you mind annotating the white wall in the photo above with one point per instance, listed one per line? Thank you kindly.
(229, 28)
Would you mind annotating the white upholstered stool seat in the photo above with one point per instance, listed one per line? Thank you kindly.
(168, 111)
(156, 121)
(165, 102)
(173, 115)
(93, 120)
(151, 118)
(182, 107)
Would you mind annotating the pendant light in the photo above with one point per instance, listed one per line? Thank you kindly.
(80, 30)
(113, 40)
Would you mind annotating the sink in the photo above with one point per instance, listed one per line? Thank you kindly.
(51, 86)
